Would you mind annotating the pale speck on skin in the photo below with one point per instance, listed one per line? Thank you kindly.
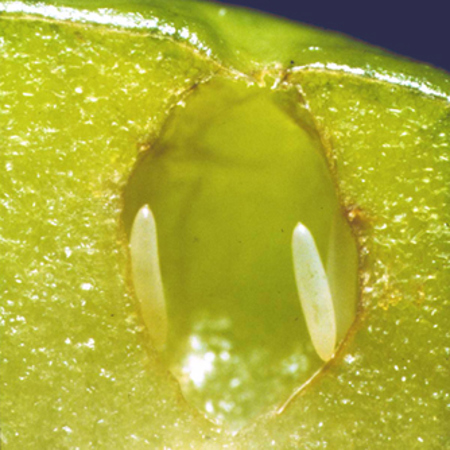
(195, 343)
(167, 29)
(90, 344)
(349, 359)
(197, 368)
(87, 286)
(226, 406)
(235, 382)
(183, 33)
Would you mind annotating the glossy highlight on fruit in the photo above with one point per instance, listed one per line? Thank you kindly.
(87, 91)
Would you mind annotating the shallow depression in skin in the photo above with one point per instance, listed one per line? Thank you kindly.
(243, 264)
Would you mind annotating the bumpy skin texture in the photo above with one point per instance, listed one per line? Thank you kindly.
(81, 89)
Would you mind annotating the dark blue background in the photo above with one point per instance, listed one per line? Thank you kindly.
(418, 29)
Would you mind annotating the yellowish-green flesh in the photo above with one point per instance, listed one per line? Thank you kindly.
(235, 168)
(77, 370)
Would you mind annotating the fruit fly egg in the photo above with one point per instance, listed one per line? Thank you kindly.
(146, 274)
(314, 292)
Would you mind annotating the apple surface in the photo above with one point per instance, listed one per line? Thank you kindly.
(87, 90)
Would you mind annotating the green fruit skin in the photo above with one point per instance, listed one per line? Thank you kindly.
(78, 98)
